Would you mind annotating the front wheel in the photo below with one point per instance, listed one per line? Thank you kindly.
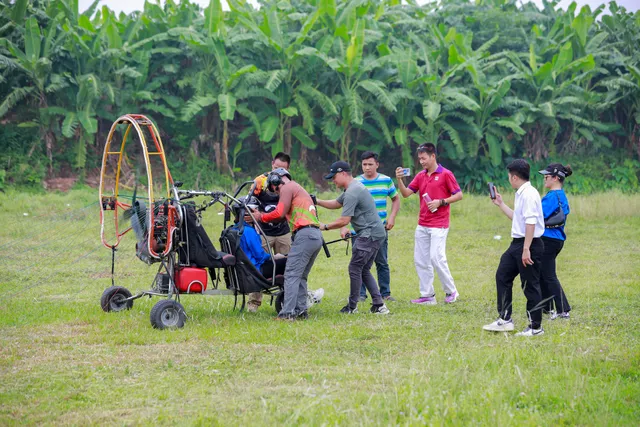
(115, 298)
(168, 314)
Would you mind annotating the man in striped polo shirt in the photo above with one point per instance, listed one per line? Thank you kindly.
(380, 187)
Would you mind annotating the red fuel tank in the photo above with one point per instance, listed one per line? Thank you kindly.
(191, 280)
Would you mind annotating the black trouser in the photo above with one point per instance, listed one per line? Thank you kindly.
(363, 254)
(549, 283)
(510, 266)
(267, 268)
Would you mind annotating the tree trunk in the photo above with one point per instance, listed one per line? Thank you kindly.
(354, 154)
(287, 137)
(224, 161)
(303, 156)
(215, 134)
(216, 150)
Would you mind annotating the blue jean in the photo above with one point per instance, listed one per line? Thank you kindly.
(382, 267)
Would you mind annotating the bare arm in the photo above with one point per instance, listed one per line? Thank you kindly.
(406, 192)
(505, 209)
(329, 204)
(343, 221)
(395, 208)
(528, 238)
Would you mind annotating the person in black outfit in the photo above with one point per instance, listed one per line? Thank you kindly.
(553, 238)
(524, 255)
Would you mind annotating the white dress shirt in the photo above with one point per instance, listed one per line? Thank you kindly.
(527, 210)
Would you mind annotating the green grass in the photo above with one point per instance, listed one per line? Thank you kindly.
(64, 361)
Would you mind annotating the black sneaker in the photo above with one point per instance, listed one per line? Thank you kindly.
(286, 317)
(379, 309)
(348, 310)
(303, 315)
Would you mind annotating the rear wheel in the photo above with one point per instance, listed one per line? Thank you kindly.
(168, 314)
(279, 301)
(114, 298)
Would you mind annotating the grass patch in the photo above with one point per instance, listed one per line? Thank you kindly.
(64, 361)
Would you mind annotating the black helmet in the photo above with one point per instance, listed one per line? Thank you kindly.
(275, 177)
(248, 201)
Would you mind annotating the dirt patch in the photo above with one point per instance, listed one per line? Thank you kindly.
(59, 184)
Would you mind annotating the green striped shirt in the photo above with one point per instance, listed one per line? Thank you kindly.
(380, 188)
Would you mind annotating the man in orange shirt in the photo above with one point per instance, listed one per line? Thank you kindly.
(296, 206)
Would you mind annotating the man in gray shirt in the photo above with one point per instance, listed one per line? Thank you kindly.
(359, 209)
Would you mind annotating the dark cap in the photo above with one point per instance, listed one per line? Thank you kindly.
(339, 166)
(553, 170)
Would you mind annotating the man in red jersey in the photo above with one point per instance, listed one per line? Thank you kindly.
(437, 188)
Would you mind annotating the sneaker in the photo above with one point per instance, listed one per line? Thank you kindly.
(451, 298)
(362, 298)
(530, 332)
(347, 310)
(389, 298)
(379, 309)
(553, 315)
(425, 301)
(303, 315)
(314, 297)
(285, 317)
(499, 325)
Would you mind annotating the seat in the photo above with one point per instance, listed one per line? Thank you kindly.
(228, 260)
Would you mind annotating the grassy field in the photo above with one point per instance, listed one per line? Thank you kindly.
(64, 361)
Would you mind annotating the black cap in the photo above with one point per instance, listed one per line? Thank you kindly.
(553, 171)
(339, 166)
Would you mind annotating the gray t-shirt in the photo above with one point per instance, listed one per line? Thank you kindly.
(358, 203)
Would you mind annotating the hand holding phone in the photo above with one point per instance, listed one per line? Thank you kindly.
(492, 190)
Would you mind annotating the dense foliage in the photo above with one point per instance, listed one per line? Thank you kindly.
(323, 79)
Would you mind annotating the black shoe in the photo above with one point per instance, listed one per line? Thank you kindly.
(303, 315)
(286, 317)
(379, 309)
(348, 310)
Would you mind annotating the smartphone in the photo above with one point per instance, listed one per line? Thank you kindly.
(492, 191)
(406, 171)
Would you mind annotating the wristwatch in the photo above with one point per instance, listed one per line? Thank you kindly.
(443, 202)
(326, 227)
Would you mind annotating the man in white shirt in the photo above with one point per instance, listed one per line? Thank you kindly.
(524, 255)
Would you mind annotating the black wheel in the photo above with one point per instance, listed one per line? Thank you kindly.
(279, 301)
(168, 314)
(114, 298)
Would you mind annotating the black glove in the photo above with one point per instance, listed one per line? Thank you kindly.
(314, 199)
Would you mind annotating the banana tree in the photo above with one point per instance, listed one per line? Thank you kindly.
(35, 82)
(353, 87)
(213, 65)
(284, 91)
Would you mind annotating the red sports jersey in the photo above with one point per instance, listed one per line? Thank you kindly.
(439, 185)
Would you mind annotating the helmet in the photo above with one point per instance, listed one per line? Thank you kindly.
(248, 201)
(275, 177)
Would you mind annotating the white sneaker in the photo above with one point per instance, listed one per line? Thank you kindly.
(314, 297)
(553, 315)
(499, 325)
(530, 332)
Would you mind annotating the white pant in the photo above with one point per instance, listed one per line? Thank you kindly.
(429, 253)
